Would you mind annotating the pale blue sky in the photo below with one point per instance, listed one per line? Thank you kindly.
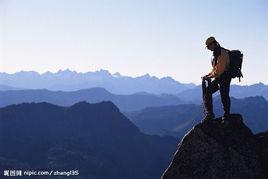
(133, 37)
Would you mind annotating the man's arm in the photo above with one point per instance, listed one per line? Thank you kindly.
(206, 76)
(209, 75)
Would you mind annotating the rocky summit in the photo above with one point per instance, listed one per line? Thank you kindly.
(220, 150)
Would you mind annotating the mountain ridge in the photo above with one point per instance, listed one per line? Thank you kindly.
(116, 83)
(124, 102)
(91, 138)
(194, 95)
(165, 120)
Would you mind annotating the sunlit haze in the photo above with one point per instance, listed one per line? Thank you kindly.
(162, 38)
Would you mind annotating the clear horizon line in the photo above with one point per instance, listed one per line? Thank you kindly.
(68, 69)
(113, 74)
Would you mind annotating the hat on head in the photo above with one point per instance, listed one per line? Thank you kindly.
(210, 40)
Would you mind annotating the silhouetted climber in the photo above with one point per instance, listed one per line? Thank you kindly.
(222, 79)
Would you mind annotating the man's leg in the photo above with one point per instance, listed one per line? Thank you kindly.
(225, 98)
(207, 98)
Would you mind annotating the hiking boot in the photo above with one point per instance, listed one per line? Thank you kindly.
(208, 117)
(225, 119)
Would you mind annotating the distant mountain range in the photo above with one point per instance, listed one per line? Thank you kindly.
(6, 88)
(95, 139)
(194, 95)
(177, 120)
(68, 80)
(126, 103)
(167, 120)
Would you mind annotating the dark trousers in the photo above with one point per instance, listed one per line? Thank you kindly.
(223, 84)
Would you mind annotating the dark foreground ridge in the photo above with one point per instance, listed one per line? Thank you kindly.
(96, 140)
(215, 150)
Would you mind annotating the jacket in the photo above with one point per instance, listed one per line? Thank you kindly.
(220, 64)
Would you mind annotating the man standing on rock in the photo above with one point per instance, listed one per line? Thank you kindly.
(222, 80)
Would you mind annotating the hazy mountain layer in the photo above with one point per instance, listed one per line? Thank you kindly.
(124, 102)
(177, 120)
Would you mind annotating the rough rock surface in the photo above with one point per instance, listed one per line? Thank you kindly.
(215, 150)
(262, 139)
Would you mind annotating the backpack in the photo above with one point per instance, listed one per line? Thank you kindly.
(236, 59)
